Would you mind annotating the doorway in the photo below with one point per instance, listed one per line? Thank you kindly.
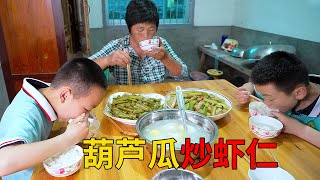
(76, 26)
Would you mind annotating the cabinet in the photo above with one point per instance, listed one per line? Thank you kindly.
(32, 41)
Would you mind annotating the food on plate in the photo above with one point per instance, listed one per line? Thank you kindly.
(201, 102)
(133, 106)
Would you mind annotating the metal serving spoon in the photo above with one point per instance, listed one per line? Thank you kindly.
(180, 100)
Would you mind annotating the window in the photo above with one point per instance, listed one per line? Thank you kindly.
(170, 11)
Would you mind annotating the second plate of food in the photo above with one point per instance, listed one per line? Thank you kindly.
(127, 107)
(206, 102)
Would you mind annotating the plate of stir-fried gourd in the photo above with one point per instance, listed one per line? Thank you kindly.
(208, 103)
(128, 108)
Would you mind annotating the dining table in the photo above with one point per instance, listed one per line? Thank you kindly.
(296, 156)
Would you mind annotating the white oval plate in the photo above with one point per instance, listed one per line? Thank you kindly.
(129, 121)
(214, 118)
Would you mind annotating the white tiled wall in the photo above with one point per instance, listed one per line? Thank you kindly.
(293, 18)
(95, 16)
(214, 12)
(206, 13)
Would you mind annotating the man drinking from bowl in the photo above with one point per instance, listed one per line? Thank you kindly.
(147, 66)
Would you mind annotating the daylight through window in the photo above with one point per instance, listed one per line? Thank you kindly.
(170, 11)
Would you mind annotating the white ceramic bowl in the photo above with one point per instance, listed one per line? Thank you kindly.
(147, 45)
(259, 109)
(129, 121)
(269, 173)
(93, 128)
(55, 168)
(220, 96)
(176, 174)
(265, 127)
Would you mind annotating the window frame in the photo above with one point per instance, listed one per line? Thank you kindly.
(161, 26)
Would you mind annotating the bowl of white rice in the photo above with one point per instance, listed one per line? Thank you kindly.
(260, 109)
(64, 163)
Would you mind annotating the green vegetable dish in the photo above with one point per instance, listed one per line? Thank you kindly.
(133, 106)
(201, 102)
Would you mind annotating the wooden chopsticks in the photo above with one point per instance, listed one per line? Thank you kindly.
(252, 96)
(128, 70)
(129, 74)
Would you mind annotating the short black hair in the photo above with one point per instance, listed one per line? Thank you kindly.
(282, 69)
(80, 74)
(141, 11)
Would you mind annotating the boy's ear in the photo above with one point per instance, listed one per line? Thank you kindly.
(65, 94)
(300, 92)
